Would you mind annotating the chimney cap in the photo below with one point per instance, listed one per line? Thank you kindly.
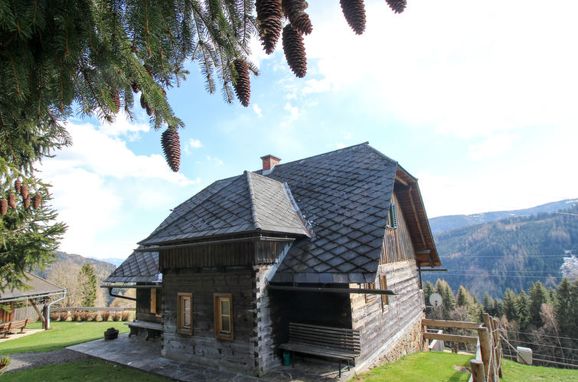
(269, 156)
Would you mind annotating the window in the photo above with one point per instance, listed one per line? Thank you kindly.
(392, 217)
(223, 316)
(383, 286)
(154, 300)
(185, 313)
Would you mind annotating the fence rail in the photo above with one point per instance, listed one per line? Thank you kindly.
(487, 365)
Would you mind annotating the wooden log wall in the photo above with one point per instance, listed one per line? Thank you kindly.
(377, 322)
(397, 243)
(203, 347)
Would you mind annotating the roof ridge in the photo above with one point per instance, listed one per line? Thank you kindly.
(297, 210)
(322, 154)
(252, 196)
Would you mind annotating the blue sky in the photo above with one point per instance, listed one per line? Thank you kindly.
(477, 99)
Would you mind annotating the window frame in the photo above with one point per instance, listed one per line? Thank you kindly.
(181, 328)
(219, 333)
(154, 295)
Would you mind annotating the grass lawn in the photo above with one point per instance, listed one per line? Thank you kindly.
(92, 370)
(514, 372)
(61, 335)
(447, 367)
(420, 367)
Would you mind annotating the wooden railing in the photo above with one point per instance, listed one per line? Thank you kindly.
(487, 366)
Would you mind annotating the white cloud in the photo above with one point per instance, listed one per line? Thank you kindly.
(195, 143)
(102, 189)
(215, 160)
(257, 109)
(492, 146)
(461, 67)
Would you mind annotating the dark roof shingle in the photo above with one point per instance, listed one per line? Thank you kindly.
(246, 203)
(139, 267)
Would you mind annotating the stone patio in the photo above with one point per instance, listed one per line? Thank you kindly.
(145, 355)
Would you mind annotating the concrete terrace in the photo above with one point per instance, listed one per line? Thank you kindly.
(145, 355)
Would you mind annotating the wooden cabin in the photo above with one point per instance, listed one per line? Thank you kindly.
(330, 244)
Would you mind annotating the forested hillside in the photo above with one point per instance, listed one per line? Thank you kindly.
(65, 270)
(509, 253)
(447, 223)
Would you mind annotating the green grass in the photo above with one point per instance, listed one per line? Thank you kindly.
(514, 372)
(92, 370)
(61, 335)
(447, 367)
(420, 367)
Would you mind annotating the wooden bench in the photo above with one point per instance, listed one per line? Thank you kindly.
(20, 324)
(5, 328)
(324, 341)
(154, 329)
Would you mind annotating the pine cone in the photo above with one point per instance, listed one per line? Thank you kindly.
(172, 148)
(24, 191)
(3, 207)
(17, 185)
(397, 6)
(37, 201)
(354, 11)
(303, 23)
(243, 82)
(269, 23)
(12, 201)
(295, 12)
(116, 102)
(26, 202)
(294, 51)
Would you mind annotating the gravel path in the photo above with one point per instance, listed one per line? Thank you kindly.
(26, 360)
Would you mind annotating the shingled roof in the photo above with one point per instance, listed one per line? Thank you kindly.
(334, 204)
(139, 267)
(36, 287)
(345, 195)
(243, 204)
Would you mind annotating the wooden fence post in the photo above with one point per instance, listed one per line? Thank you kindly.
(477, 370)
(485, 349)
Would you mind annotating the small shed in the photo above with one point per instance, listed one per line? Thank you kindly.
(30, 302)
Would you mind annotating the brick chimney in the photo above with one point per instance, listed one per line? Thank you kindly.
(270, 161)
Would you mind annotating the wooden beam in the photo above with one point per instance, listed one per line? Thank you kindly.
(416, 216)
(451, 324)
(40, 315)
(332, 290)
(451, 338)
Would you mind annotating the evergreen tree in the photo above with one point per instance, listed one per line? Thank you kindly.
(88, 285)
(448, 300)
(538, 296)
(523, 310)
(509, 305)
(464, 298)
(99, 56)
(28, 235)
(489, 305)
